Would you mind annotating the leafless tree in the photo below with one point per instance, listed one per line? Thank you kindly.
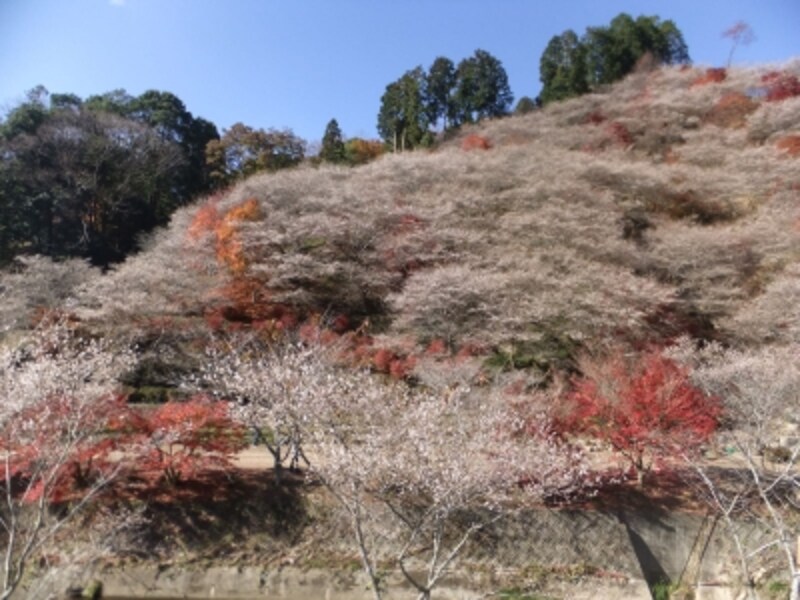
(740, 34)
(40, 283)
(760, 390)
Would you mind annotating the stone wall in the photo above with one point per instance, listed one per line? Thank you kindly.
(621, 554)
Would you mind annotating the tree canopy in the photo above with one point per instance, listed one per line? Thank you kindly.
(570, 66)
(243, 151)
(403, 120)
(482, 88)
(413, 106)
(81, 179)
(332, 144)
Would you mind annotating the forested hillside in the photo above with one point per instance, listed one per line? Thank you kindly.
(460, 327)
(663, 207)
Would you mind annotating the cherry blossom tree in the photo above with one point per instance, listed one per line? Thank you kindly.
(452, 465)
(446, 464)
(760, 390)
(37, 283)
(271, 388)
(57, 400)
(429, 468)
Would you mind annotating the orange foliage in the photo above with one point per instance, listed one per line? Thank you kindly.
(714, 75)
(475, 142)
(789, 144)
(248, 295)
(229, 246)
(360, 151)
(205, 220)
(731, 111)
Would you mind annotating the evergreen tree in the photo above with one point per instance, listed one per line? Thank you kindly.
(482, 88)
(440, 83)
(332, 144)
(82, 182)
(562, 68)
(571, 66)
(613, 51)
(402, 120)
(525, 105)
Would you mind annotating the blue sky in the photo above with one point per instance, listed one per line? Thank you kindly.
(298, 63)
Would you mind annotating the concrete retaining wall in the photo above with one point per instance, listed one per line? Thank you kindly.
(625, 553)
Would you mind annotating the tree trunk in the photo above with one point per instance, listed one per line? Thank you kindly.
(794, 593)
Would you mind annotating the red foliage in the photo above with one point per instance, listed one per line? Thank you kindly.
(389, 362)
(436, 347)
(731, 111)
(780, 86)
(382, 360)
(594, 118)
(468, 350)
(789, 144)
(62, 446)
(340, 323)
(619, 133)
(643, 411)
(66, 447)
(475, 142)
(400, 368)
(713, 75)
(408, 222)
(181, 438)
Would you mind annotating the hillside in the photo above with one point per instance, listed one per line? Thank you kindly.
(666, 205)
(594, 306)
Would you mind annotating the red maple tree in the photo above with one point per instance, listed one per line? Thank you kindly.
(60, 447)
(644, 409)
(179, 439)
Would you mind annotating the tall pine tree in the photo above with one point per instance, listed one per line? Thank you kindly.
(332, 144)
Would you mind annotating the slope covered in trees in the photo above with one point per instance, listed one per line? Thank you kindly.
(605, 269)
(663, 207)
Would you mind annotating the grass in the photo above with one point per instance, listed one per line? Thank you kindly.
(662, 590)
